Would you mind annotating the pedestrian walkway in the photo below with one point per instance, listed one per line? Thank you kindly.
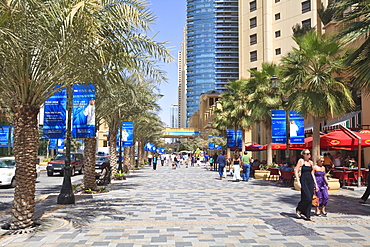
(192, 207)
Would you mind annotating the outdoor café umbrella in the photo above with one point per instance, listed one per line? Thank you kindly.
(254, 147)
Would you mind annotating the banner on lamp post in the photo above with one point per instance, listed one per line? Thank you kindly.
(278, 119)
(6, 136)
(127, 133)
(83, 124)
(231, 141)
(55, 116)
(296, 127)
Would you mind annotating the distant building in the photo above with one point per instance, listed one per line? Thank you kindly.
(181, 63)
(174, 116)
(212, 48)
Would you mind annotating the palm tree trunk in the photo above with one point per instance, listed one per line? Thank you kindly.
(26, 144)
(89, 166)
(126, 161)
(132, 157)
(243, 141)
(112, 149)
(316, 139)
(140, 152)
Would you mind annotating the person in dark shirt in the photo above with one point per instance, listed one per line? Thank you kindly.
(221, 161)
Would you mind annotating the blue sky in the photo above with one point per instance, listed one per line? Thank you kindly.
(171, 17)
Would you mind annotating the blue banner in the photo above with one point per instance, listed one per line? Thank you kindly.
(218, 147)
(53, 143)
(296, 127)
(211, 145)
(230, 133)
(60, 144)
(55, 116)
(278, 119)
(4, 136)
(83, 124)
(128, 133)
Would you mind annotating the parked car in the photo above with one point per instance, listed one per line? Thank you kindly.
(57, 164)
(7, 171)
(100, 160)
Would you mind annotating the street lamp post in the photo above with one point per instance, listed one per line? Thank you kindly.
(66, 195)
(275, 82)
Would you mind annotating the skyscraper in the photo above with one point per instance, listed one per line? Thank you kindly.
(174, 116)
(212, 48)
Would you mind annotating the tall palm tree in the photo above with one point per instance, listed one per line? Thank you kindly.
(355, 15)
(311, 79)
(234, 112)
(263, 98)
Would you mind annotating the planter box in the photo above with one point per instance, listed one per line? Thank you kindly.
(261, 174)
(333, 184)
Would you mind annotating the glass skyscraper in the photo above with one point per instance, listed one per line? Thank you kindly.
(212, 48)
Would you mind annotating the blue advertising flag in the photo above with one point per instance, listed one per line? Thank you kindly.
(278, 119)
(211, 145)
(218, 147)
(230, 134)
(296, 127)
(83, 124)
(53, 143)
(128, 133)
(4, 136)
(160, 150)
(55, 116)
(61, 144)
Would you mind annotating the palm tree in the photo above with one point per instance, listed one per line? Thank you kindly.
(234, 112)
(311, 79)
(263, 98)
(355, 15)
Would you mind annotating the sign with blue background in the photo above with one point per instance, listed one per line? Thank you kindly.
(128, 133)
(211, 145)
(55, 116)
(230, 133)
(83, 124)
(4, 136)
(296, 127)
(278, 119)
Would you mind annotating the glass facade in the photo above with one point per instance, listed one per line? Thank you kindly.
(212, 48)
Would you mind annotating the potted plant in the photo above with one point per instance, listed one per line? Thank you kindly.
(262, 173)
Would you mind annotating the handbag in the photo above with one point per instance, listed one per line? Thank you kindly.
(315, 200)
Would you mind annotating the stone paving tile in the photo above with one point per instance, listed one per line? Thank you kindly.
(189, 207)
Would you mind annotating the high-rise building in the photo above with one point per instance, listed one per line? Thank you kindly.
(181, 64)
(174, 115)
(265, 29)
(212, 48)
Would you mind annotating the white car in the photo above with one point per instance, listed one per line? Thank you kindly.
(7, 171)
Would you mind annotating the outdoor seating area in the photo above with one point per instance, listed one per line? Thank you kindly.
(349, 176)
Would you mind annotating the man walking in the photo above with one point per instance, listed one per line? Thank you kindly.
(246, 159)
(221, 161)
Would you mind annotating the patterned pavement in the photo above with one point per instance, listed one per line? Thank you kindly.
(192, 207)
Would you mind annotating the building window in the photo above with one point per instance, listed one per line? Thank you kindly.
(253, 56)
(276, 1)
(306, 6)
(253, 6)
(278, 51)
(253, 22)
(306, 23)
(277, 34)
(252, 69)
(253, 39)
(277, 16)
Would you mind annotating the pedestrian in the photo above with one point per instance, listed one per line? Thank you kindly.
(221, 161)
(367, 191)
(306, 182)
(337, 159)
(150, 158)
(322, 187)
(163, 158)
(237, 163)
(155, 160)
(215, 161)
(328, 163)
(193, 160)
(211, 162)
(246, 159)
(178, 160)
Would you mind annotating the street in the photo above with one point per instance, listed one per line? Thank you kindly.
(192, 207)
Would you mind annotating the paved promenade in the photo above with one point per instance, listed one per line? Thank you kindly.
(192, 207)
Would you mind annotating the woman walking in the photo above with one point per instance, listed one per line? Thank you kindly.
(306, 181)
(237, 162)
(322, 186)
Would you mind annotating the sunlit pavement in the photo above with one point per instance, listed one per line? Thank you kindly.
(192, 207)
